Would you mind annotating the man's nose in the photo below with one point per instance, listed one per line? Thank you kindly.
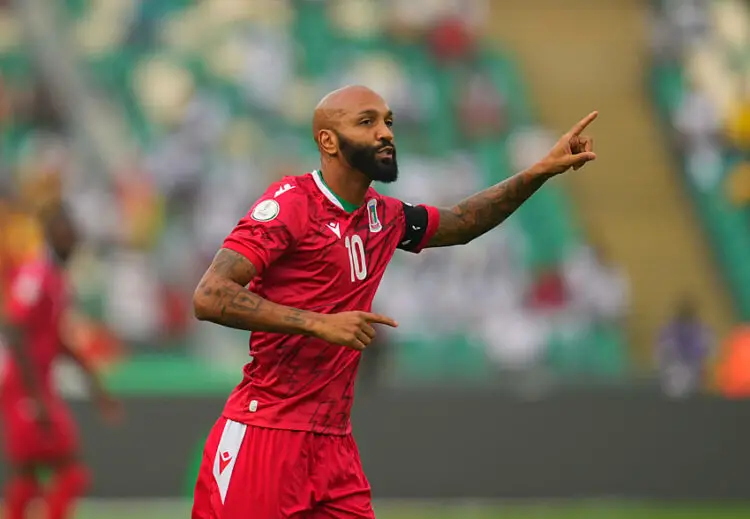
(384, 133)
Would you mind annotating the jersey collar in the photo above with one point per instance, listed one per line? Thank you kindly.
(330, 195)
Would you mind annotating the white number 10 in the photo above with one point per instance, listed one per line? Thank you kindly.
(357, 262)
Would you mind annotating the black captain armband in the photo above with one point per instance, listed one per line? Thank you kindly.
(416, 227)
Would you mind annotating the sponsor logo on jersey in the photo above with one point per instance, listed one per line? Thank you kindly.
(372, 213)
(265, 211)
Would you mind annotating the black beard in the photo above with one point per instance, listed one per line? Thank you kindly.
(364, 158)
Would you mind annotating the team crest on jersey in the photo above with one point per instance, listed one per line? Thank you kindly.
(265, 211)
(372, 213)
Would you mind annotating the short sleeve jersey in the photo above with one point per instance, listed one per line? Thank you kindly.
(36, 299)
(311, 253)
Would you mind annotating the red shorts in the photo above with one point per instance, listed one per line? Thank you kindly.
(26, 442)
(273, 474)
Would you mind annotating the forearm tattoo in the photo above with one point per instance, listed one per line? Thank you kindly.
(485, 210)
(221, 297)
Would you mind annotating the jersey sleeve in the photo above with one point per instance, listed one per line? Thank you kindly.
(420, 224)
(24, 295)
(274, 225)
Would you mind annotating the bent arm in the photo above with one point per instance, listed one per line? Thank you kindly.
(487, 209)
(92, 375)
(221, 298)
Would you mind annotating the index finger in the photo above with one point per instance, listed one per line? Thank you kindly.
(380, 319)
(583, 123)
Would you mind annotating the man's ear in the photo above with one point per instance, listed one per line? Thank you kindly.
(328, 142)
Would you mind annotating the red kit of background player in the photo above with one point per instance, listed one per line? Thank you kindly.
(294, 403)
(36, 300)
(37, 428)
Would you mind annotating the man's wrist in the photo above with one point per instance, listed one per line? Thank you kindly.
(541, 170)
(312, 324)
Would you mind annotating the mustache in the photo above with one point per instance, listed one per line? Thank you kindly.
(387, 146)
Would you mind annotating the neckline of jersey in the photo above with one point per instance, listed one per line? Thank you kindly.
(343, 204)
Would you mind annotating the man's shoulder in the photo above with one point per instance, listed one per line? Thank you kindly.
(288, 195)
(293, 188)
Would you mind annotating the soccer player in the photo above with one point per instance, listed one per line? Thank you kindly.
(311, 253)
(38, 430)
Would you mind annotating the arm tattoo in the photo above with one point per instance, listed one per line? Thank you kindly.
(485, 210)
(221, 298)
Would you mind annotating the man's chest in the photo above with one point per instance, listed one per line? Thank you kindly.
(345, 253)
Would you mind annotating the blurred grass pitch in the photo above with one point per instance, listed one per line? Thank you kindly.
(168, 509)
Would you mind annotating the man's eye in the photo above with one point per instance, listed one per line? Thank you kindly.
(365, 121)
(389, 124)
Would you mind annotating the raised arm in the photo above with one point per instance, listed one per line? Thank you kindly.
(221, 298)
(487, 209)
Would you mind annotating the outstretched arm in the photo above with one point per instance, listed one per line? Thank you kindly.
(487, 209)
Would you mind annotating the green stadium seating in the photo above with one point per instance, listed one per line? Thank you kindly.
(547, 221)
(727, 226)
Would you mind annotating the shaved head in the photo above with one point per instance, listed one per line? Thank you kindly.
(340, 103)
(353, 125)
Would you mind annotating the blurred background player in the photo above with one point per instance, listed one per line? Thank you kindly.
(39, 432)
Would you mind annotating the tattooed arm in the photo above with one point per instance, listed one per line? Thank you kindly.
(221, 298)
(487, 209)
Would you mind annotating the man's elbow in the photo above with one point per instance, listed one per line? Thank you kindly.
(202, 305)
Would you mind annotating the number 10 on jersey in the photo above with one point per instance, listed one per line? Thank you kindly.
(357, 262)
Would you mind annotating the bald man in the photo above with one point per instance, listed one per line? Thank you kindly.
(311, 252)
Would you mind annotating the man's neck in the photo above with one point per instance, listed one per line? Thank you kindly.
(347, 184)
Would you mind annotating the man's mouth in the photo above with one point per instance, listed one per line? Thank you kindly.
(388, 151)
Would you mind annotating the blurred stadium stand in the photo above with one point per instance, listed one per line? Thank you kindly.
(207, 102)
(701, 84)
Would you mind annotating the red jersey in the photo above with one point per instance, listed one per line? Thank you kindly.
(35, 302)
(312, 254)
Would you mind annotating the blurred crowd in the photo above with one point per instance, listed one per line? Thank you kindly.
(712, 120)
(216, 97)
(702, 69)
